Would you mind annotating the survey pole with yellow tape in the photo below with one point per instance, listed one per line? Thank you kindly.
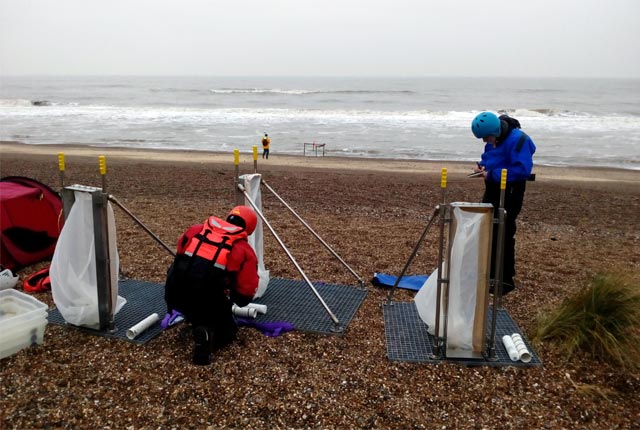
(255, 159)
(107, 280)
(442, 280)
(499, 263)
(502, 216)
(61, 168)
(102, 161)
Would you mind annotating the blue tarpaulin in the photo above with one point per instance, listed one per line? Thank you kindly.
(414, 282)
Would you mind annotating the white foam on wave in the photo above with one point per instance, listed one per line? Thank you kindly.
(298, 92)
(15, 103)
(419, 134)
(416, 118)
(259, 91)
(438, 121)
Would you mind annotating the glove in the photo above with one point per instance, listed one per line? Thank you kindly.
(171, 318)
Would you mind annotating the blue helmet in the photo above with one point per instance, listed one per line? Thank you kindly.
(485, 124)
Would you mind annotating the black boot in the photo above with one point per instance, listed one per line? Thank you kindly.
(202, 348)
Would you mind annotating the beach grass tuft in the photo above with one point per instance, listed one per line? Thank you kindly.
(602, 320)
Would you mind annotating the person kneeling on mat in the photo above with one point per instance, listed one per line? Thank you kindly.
(214, 268)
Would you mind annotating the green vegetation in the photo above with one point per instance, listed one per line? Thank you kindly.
(602, 320)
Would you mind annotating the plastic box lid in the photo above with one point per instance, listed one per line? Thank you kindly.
(18, 308)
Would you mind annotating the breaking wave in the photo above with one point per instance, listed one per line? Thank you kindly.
(302, 92)
(24, 103)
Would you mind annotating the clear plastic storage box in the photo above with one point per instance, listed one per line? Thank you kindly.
(23, 320)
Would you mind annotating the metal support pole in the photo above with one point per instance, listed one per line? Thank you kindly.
(413, 254)
(439, 341)
(236, 162)
(293, 260)
(326, 245)
(68, 199)
(103, 260)
(447, 278)
(156, 238)
(497, 288)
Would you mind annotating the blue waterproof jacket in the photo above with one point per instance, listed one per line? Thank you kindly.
(507, 155)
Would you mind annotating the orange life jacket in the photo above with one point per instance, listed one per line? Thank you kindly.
(215, 240)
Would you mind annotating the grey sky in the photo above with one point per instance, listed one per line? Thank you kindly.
(586, 38)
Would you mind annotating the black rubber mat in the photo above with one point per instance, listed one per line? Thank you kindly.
(408, 340)
(143, 299)
(294, 302)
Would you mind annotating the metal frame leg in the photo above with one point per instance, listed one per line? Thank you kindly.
(335, 320)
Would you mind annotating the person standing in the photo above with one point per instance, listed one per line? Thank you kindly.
(265, 146)
(214, 268)
(506, 147)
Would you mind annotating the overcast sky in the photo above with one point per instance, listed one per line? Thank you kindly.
(532, 38)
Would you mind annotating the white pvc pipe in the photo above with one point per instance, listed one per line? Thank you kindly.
(143, 325)
(510, 347)
(523, 353)
(261, 309)
(245, 312)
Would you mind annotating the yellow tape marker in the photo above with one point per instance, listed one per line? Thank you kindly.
(443, 178)
(103, 164)
(255, 153)
(236, 157)
(61, 161)
(503, 180)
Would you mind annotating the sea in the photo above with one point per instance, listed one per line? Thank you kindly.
(573, 122)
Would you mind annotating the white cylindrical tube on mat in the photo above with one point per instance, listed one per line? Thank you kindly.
(510, 347)
(143, 325)
(523, 353)
(245, 312)
(262, 309)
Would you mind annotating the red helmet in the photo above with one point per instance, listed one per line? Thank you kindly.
(243, 216)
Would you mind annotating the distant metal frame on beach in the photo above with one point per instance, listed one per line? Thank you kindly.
(315, 147)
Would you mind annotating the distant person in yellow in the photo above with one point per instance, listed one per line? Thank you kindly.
(265, 146)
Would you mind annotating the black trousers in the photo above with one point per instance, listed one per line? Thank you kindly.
(513, 199)
(197, 290)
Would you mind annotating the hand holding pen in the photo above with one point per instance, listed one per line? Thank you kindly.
(478, 172)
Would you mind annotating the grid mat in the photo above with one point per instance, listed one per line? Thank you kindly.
(143, 299)
(294, 302)
(286, 300)
(408, 340)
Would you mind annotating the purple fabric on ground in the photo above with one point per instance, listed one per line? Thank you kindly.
(271, 329)
(170, 319)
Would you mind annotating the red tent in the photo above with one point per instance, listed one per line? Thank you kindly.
(30, 221)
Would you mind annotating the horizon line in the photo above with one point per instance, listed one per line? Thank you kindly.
(329, 76)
